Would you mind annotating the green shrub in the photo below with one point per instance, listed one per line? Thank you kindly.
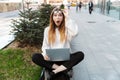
(62, 6)
(28, 30)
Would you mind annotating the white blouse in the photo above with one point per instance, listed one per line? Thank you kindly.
(71, 31)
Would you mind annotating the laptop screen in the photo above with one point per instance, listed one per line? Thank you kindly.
(60, 54)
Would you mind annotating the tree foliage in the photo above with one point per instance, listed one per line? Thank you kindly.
(29, 29)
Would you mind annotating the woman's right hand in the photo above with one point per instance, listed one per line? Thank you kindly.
(65, 11)
(46, 57)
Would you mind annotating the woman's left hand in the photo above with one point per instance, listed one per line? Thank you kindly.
(46, 57)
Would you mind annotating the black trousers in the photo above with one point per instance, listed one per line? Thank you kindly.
(90, 9)
(75, 58)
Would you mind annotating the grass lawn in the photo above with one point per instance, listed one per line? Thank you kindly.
(16, 64)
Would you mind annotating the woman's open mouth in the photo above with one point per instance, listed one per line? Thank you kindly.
(58, 23)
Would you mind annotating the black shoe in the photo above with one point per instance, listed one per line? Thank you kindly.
(68, 73)
(52, 75)
(62, 76)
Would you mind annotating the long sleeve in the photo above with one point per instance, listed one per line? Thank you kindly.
(45, 44)
(72, 29)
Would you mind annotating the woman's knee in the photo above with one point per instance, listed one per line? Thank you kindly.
(36, 56)
(80, 55)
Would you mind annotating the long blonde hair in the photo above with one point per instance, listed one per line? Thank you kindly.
(61, 28)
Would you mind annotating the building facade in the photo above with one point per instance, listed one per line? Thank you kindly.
(71, 1)
(9, 5)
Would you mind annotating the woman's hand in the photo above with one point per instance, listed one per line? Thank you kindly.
(46, 57)
(65, 11)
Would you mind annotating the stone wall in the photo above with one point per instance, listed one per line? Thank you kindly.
(5, 7)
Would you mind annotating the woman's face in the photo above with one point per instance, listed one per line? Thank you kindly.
(57, 18)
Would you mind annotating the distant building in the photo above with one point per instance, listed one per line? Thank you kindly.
(116, 3)
(71, 1)
(9, 5)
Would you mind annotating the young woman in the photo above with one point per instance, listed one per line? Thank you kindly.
(58, 35)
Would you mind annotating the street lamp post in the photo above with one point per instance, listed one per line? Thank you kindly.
(28, 3)
(22, 5)
(103, 6)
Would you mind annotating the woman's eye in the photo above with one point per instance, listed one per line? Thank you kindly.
(60, 14)
(55, 15)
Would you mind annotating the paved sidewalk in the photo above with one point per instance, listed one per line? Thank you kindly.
(98, 38)
(5, 28)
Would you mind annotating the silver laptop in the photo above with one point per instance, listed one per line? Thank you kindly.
(60, 54)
